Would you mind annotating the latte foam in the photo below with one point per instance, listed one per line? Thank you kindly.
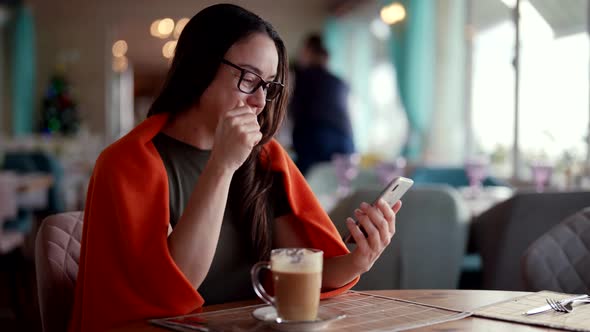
(297, 260)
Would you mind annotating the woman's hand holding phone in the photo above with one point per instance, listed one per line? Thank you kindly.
(378, 221)
(392, 193)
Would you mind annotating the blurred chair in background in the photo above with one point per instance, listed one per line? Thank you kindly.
(57, 255)
(502, 234)
(428, 247)
(560, 259)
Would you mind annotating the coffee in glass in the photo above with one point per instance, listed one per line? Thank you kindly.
(297, 282)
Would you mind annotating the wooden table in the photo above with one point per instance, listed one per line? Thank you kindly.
(464, 300)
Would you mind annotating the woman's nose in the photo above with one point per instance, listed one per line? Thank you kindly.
(257, 99)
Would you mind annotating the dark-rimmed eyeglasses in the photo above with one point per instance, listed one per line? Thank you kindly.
(250, 82)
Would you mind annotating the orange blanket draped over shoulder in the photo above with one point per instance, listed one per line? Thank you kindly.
(126, 272)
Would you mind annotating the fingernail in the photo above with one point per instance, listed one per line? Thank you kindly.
(365, 205)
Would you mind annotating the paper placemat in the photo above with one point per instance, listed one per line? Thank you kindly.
(364, 312)
(512, 310)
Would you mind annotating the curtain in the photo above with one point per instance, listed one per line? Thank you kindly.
(335, 38)
(351, 57)
(413, 51)
(23, 71)
(449, 125)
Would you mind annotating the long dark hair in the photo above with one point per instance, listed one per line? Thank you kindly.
(201, 46)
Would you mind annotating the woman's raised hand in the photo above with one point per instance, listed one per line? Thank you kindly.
(378, 222)
(236, 135)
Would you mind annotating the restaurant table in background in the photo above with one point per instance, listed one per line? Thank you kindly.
(463, 300)
(20, 192)
(480, 199)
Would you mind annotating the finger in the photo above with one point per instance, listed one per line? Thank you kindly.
(256, 137)
(239, 111)
(243, 124)
(388, 214)
(249, 128)
(397, 206)
(357, 235)
(379, 221)
(250, 138)
(239, 117)
(373, 236)
(386, 210)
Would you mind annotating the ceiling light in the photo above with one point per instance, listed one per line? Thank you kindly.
(180, 26)
(154, 28)
(393, 13)
(119, 48)
(168, 49)
(165, 27)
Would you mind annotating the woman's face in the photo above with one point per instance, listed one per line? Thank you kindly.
(256, 53)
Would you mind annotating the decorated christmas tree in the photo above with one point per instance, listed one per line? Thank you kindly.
(59, 112)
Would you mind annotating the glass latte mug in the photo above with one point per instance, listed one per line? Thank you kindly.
(297, 281)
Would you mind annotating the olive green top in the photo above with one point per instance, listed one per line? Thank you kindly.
(228, 278)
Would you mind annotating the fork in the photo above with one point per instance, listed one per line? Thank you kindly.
(557, 306)
(564, 307)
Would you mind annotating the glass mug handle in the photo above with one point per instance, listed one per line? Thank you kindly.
(258, 288)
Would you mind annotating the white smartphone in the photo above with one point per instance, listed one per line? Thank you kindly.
(392, 193)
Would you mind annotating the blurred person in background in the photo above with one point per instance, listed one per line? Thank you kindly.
(318, 108)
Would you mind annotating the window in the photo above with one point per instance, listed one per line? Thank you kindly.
(553, 92)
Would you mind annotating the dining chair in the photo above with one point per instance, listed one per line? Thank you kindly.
(560, 259)
(57, 254)
(502, 234)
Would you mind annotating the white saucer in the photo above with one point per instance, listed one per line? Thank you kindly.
(326, 316)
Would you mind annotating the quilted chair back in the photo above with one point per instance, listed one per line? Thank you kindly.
(560, 259)
(57, 254)
(502, 234)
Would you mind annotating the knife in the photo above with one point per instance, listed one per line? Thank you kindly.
(548, 307)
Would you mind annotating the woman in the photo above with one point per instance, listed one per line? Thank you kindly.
(179, 209)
